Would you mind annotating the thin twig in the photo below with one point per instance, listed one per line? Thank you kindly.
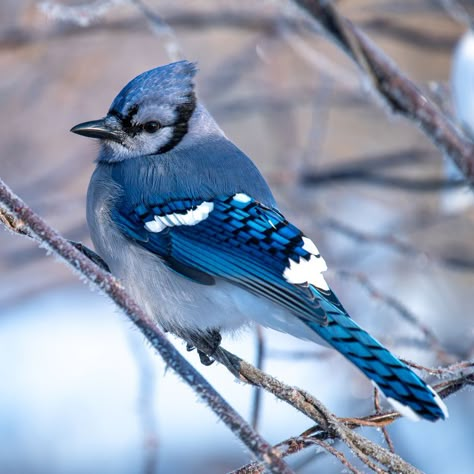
(444, 389)
(399, 308)
(162, 29)
(257, 391)
(286, 448)
(378, 410)
(337, 454)
(463, 263)
(146, 403)
(457, 12)
(370, 171)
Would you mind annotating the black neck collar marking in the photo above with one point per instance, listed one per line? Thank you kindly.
(181, 124)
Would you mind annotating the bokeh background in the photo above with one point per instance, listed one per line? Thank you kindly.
(80, 391)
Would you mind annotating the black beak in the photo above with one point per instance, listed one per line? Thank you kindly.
(97, 129)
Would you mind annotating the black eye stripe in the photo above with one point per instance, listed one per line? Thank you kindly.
(126, 121)
(180, 126)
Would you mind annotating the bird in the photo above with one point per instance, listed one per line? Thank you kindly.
(189, 225)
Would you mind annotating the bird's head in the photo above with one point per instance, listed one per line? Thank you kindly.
(149, 116)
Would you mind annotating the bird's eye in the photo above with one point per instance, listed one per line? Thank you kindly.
(151, 127)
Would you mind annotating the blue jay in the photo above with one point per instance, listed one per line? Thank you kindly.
(189, 225)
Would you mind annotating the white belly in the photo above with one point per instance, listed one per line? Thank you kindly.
(178, 304)
(181, 305)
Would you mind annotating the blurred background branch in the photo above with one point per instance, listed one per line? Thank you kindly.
(400, 94)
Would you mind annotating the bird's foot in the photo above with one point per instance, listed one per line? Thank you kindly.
(207, 345)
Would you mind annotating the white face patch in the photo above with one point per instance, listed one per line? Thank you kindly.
(138, 145)
(191, 217)
(307, 271)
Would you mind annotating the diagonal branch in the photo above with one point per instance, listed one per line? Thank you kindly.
(398, 92)
(368, 452)
(32, 225)
(378, 420)
(21, 219)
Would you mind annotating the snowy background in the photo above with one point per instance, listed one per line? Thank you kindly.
(80, 391)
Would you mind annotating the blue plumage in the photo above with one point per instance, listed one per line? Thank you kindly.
(186, 220)
(244, 242)
(249, 243)
(397, 381)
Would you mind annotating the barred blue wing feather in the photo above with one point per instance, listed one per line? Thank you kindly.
(240, 240)
(405, 391)
(255, 247)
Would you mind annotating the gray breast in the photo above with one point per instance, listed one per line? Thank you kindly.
(101, 195)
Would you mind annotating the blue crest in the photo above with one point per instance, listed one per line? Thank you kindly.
(170, 84)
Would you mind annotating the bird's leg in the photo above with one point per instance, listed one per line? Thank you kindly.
(214, 340)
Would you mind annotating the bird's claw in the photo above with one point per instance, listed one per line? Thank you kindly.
(206, 344)
(205, 359)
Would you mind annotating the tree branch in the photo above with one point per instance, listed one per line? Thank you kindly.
(378, 420)
(400, 94)
(367, 451)
(22, 220)
(26, 222)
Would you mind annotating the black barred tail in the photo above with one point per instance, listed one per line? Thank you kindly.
(405, 391)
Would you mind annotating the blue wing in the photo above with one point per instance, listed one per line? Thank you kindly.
(252, 245)
(240, 240)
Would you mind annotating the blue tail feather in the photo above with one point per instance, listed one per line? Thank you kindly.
(407, 393)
